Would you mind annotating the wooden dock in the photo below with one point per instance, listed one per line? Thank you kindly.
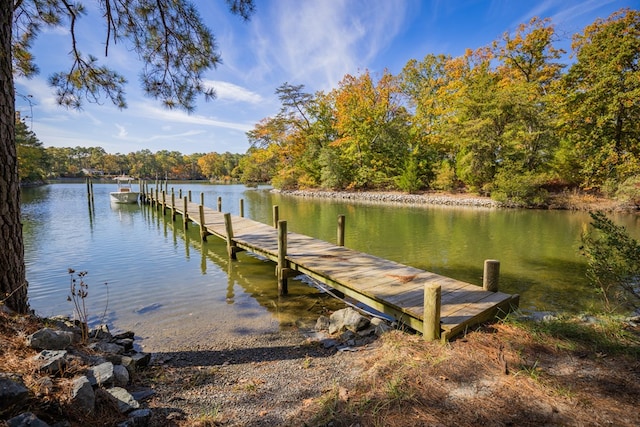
(437, 306)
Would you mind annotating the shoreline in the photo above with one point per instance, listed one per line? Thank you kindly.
(561, 201)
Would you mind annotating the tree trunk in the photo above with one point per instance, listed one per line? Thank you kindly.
(13, 283)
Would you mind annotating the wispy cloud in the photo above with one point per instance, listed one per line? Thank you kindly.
(317, 43)
(231, 92)
(176, 116)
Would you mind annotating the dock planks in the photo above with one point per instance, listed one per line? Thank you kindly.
(389, 287)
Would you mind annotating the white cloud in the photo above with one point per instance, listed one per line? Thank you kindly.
(177, 116)
(231, 92)
(122, 131)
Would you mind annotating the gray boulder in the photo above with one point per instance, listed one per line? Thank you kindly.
(52, 361)
(82, 395)
(125, 401)
(26, 419)
(12, 391)
(120, 376)
(49, 339)
(101, 374)
(348, 319)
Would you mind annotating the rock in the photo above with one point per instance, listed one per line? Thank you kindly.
(101, 374)
(347, 318)
(12, 391)
(126, 343)
(124, 335)
(143, 394)
(49, 339)
(322, 324)
(26, 419)
(141, 359)
(100, 332)
(120, 375)
(82, 395)
(107, 347)
(380, 326)
(137, 418)
(126, 402)
(53, 361)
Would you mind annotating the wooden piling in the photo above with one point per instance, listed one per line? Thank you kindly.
(219, 204)
(203, 229)
(164, 202)
(340, 230)
(276, 216)
(282, 259)
(189, 194)
(231, 249)
(491, 275)
(185, 214)
(202, 199)
(242, 208)
(431, 316)
(173, 205)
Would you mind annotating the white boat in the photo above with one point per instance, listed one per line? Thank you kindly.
(125, 193)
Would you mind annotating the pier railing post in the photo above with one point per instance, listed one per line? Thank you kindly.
(185, 214)
(242, 208)
(340, 230)
(203, 230)
(282, 258)
(173, 205)
(276, 216)
(491, 275)
(431, 315)
(231, 244)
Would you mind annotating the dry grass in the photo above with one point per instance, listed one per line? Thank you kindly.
(49, 395)
(504, 374)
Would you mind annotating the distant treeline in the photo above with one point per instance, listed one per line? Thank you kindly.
(37, 163)
(508, 120)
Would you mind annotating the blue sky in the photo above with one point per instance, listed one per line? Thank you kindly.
(309, 42)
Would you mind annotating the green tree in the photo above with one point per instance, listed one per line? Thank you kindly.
(602, 112)
(170, 38)
(32, 157)
(612, 259)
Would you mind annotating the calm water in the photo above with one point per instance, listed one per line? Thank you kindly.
(160, 277)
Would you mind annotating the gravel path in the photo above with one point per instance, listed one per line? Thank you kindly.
(255, 380)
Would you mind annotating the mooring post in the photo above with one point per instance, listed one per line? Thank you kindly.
(180, 193)
(155, 200)
(202, 199)
(282, 258)
(219, 204)
(173, 205)
(189, 195)
(91, 186)
(203, 230)
(276, 216)
(241, 208)
(164, 202)
(491, 275)
(231, 244)
(340, 230)
(185, 214)
(431, 314)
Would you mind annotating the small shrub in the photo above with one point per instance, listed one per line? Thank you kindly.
(612, 262)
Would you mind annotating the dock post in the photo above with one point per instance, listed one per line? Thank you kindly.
(156, 201)
(202, 199)
(282, 258)
(173, 205)
(180, 193)
(276, 216)
(340, 230)
(491, 275)
(203, 230)
(241, 208)
(431, 315)
(164, 202)
(185, 215)
(219, 204)
(231, 244)
(189, 193)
